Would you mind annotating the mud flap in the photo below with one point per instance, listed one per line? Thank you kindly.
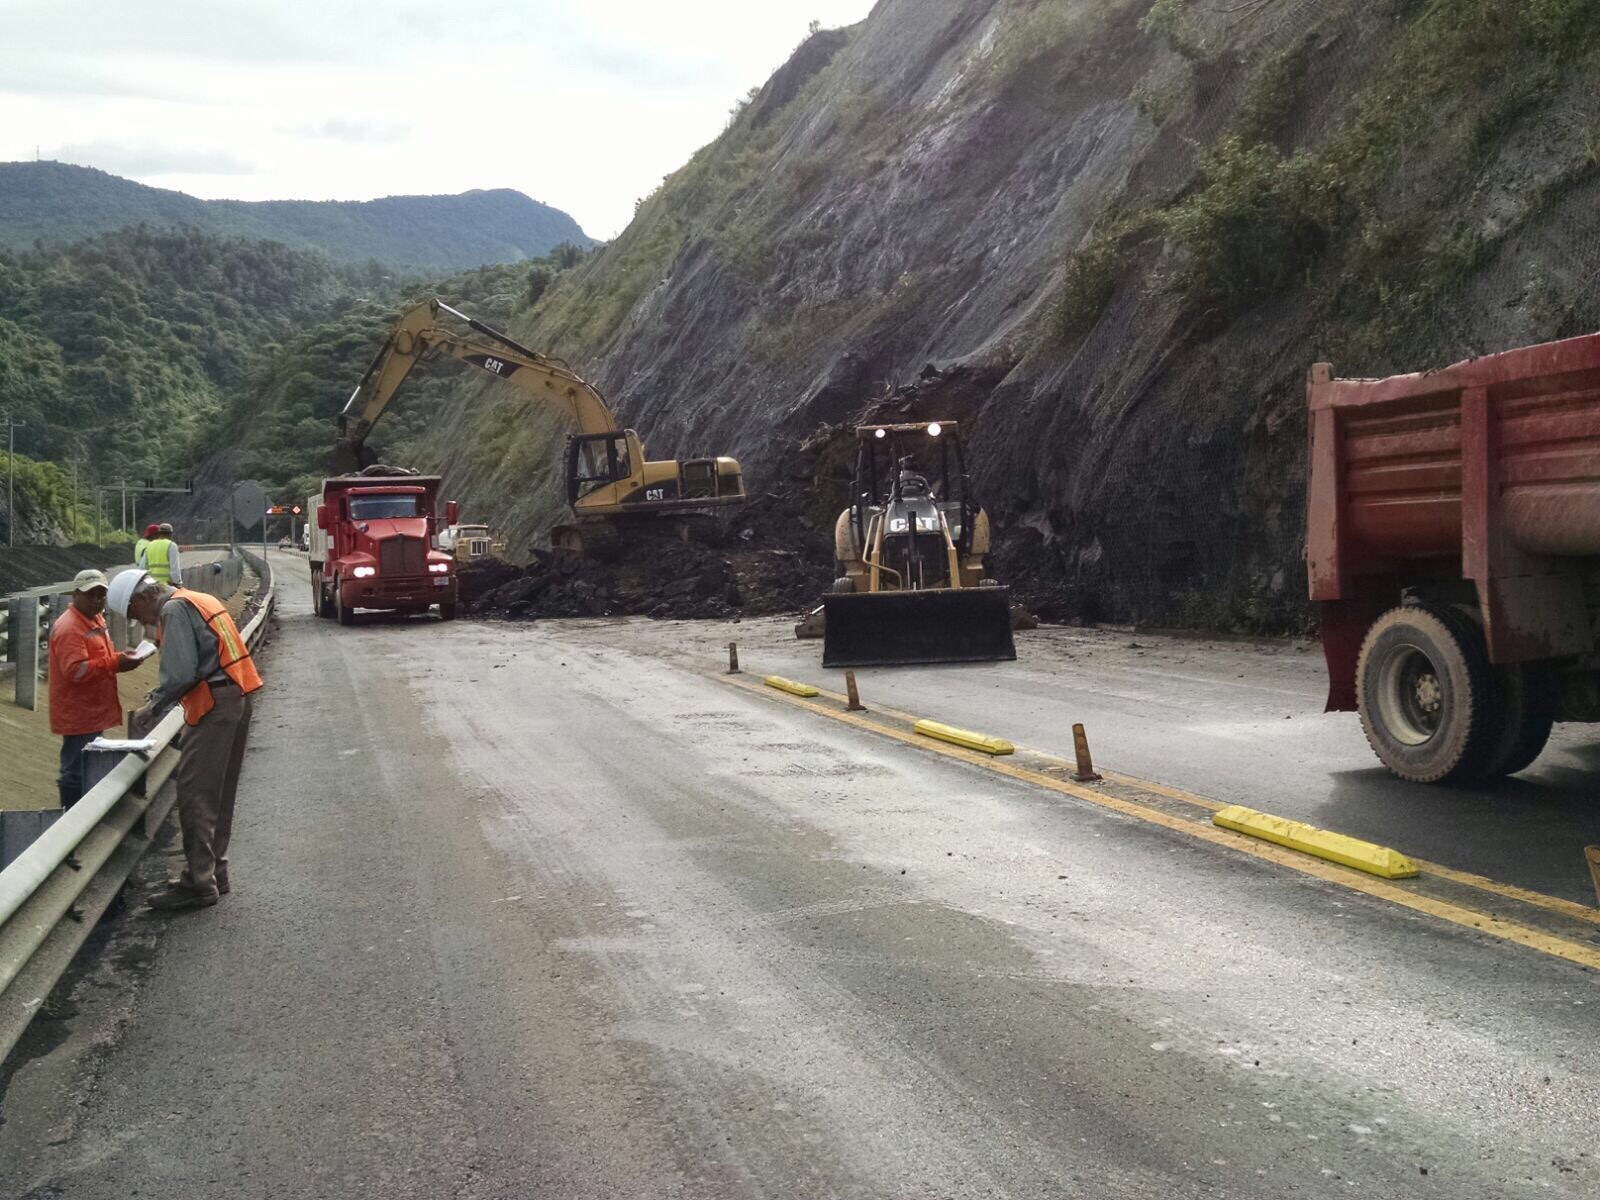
(951, 625)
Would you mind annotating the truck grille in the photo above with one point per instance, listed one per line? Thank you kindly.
(402, 556)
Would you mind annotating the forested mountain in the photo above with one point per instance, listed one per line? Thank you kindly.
(150, 355)
(119, 350)
(59, 203)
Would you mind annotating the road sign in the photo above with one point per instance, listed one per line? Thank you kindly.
(249, 503)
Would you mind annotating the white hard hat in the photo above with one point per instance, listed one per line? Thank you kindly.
(122, 589)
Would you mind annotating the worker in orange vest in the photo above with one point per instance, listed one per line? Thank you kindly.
(206, 669)
(84, 666)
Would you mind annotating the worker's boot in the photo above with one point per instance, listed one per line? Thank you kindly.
(223, 887)
(180, 896)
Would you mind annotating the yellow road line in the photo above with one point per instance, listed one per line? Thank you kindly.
(1455, 914)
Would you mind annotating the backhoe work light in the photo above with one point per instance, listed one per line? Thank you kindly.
(935, 429)
(882, 433)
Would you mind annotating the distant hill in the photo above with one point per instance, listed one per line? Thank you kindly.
(59, 203)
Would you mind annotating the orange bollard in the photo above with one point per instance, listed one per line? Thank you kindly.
(1592, 853)
(733, 658)
(1080, 744)
(855, 704)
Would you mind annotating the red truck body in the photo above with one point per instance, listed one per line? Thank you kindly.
(1475, 487)
(372, 546)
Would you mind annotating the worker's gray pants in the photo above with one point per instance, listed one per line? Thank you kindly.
(208, 778)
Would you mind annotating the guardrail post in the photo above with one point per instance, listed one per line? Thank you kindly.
(97, 764)
(15, 611)
(25, 640)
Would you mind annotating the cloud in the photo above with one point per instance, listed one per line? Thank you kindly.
(137, 161)
(361, 133)
(211, 30)
(43, 75)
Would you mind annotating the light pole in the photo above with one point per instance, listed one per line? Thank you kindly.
(10, 471)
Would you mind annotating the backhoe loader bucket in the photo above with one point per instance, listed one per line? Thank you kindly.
(948, 625)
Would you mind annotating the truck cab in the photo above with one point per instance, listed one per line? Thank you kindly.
(372, 547)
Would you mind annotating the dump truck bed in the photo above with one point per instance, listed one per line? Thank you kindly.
(1485, 473)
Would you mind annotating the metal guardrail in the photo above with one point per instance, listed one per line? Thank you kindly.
(55, 891)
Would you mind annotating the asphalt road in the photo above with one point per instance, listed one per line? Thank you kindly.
(1241, 722)
(548, 911)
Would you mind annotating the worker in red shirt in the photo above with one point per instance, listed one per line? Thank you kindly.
(83, 679)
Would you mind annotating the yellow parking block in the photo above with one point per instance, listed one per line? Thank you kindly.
(1322, 843)
(793, 688)
(964, 737)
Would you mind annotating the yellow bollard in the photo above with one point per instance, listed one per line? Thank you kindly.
(1080, 744)
(855, 704)
(733, 658)
(1592, 853)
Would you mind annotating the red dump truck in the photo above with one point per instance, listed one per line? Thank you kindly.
(1453, 543)
(372, 545)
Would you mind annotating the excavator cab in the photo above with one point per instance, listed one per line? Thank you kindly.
(911, 586)
(608, 473)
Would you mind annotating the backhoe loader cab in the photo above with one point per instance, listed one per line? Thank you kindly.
(910, 552)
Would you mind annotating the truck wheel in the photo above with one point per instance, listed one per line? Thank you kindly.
(346, 616)
(447, 612)
(316, 594)
(843, 585)
(1527, 714)
(1427, 694)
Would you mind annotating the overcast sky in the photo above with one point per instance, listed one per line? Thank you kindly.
(584, 104)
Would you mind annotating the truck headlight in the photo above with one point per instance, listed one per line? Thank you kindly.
(364, 572)
(439, 568)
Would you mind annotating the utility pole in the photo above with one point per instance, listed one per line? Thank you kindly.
(12, 425)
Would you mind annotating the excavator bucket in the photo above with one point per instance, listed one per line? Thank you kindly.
(947, 625)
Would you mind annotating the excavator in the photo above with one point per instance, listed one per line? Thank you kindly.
(910, 551)
(609, 480)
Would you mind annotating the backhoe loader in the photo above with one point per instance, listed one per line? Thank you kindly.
(910, 551)
(609, 481)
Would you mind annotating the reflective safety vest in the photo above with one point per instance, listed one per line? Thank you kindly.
(158, 559)
(139, 548)
(232, 654)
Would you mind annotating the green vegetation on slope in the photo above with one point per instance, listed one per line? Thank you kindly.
(118, 351)
(59, 203)
(141, 355)
(1455, 78)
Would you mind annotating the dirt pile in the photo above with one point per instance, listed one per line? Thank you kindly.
(751, 564)
(775, 555)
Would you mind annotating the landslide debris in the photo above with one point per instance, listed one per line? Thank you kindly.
(757, 562)
(774, 556)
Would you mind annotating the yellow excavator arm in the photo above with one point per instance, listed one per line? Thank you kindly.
(607, 474)
(418, 338)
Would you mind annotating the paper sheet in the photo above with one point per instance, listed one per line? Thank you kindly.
(136, 745)
(144, 650)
